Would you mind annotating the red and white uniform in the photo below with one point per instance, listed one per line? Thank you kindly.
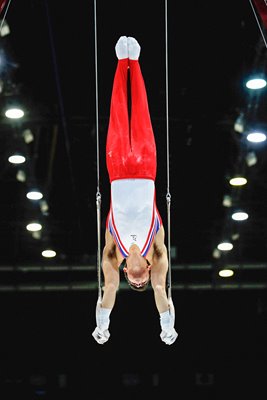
(131, 163)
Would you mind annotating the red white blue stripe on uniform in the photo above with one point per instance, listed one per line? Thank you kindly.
(154, 228)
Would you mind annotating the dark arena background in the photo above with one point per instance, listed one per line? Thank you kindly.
(48, 66)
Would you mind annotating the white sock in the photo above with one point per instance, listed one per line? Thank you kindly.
(121, 48)
(133, 48)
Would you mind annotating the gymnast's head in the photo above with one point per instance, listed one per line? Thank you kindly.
(137, 270)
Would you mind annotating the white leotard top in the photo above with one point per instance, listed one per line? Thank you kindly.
(133, 217)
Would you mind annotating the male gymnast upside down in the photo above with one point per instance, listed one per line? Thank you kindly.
(134, 238)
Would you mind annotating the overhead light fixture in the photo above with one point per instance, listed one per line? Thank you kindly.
(14, 113)
(216, 253)
(225, 246)
(235, 236)
(239, 124)
(226, 272)
(256, 83)
(44, 207)
(49, 253)
(16, 158)
(238, 181)
(4, 30)
(227, 201)
(34, 195)
(34, 227)
(239, 216)
(21, 175)
(28, 136)
(256, 137)
(36, 235)
(251, 159)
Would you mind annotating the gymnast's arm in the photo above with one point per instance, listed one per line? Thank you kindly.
(159, 272)
(105, 304)
(111, 272)
(158, 281)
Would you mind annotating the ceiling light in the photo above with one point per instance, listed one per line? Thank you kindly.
(44, 207)
(16, 159)
(28, 136)
(21, 176)
(34, 195)
(4, 31)
(240, 216)
(256, 83)
(227, 201)
(14, 113)
(238, 181)
(216, 253)
(256, 137)
(36, 235)
(226, 272)
(48, 253)
(251, 159)
(34, 227)
(239, 123)
(225, 246)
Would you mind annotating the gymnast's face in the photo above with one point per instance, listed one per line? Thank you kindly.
(137, 270)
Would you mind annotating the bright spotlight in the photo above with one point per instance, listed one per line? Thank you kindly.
(256, 83)
(34, 195)
(239, 216)
(14, 113)
(34, 227)
(238, 181)
(16, 159)
(225, 246)
(48, 253)
(256, 137)
(226, 273)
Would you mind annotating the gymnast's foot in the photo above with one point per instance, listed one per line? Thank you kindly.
(133, 48)
(121, 48)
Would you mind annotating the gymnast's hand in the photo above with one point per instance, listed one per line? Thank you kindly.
(101, 333)
(168, 334)
(101, 336)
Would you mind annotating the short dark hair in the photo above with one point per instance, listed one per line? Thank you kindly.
(132, 286)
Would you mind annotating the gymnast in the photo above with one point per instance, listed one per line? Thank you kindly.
(134, 237)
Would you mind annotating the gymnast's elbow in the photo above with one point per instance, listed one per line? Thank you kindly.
(111, 287)
(158, 288)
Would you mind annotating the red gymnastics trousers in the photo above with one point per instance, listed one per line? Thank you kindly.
(130, 146)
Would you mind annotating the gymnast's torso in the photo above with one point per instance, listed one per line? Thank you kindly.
(133, 216)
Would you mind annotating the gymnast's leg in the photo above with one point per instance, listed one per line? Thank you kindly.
(118, 144)
(142, 136)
